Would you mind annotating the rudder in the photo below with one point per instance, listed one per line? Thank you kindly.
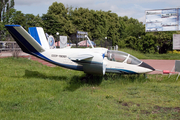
(38, 34)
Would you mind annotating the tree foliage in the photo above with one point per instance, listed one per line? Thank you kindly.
(26, 20)
(5, 7)
(6, 11)
(57, 20)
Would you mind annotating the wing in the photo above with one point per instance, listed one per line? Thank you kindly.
(80, 57)
(93, 63)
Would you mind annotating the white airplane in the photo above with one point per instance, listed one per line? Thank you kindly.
(90, 60)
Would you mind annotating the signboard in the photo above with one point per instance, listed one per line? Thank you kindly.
(51, 42)
(163, 20)
(176, 41)
(177, 66)
(81, 34)
(63, 41)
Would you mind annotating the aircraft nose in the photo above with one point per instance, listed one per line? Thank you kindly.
(145, 65)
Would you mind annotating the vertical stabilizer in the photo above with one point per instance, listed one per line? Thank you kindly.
(38, 34)
(27, 43)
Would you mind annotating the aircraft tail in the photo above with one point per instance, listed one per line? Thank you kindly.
(38, 34)
(27, 43)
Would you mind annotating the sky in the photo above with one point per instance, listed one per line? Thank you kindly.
(131, 8)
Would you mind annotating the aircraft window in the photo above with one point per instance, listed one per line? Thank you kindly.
(117, 56)
(120, 56)
(133, 60)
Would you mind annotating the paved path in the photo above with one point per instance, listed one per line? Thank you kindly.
(160, 65)
(10, 54)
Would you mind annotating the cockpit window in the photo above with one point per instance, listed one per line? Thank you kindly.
(117, 56)
(120, 56)
(133, 60)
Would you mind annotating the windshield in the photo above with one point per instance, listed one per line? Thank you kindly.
(120, 56)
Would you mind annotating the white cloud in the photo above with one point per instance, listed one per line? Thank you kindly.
(49, 2)
(81, 3)
(130, 8)
(27, 2)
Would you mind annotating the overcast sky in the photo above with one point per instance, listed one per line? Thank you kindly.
(131, 8)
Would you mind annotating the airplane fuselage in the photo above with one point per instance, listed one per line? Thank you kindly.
(61, 57)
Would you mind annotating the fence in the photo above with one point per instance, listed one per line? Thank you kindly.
(9, 46)
(72, 40)
(107, 43)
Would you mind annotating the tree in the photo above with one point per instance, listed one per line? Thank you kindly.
(6, 10)
(5, 7)
(51, 24)
(113, 31)
(132, 28)
(18, 18)
(56, 20)
(33, 21)
(58, 9)
(164, 40)
(147, 44)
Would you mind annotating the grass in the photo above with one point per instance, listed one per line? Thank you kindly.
(30, 90)
(169, 56)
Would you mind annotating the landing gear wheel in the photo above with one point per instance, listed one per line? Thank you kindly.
(84, 80)
(105, 77)
(145, 76)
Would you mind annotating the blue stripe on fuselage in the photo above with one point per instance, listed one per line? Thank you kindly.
(74, 67)
(120, 70)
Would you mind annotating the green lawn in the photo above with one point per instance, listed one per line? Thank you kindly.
(30, 90)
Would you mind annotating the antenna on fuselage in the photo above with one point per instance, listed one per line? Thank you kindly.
(89, 41)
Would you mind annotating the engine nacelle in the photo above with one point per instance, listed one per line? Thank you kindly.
(96, 65)
(95, 68)
(92, 62)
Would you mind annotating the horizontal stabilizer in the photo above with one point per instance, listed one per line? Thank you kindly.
(80, 57)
